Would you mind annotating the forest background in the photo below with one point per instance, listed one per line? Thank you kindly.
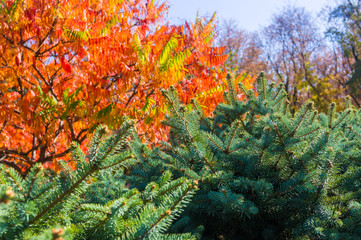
(314, 53)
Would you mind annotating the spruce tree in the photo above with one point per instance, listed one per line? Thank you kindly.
(264, 172)
(339, 213)
(92, 201)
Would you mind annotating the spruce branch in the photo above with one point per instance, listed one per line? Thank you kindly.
(284, 124)
(341, 118)
(61, 197)
(331, 113)
(215, 143)
(308, 107)
(308, 133)
(236, 126)
(191, 138)
(175, 204)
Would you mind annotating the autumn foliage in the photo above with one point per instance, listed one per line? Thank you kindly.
(67, 66)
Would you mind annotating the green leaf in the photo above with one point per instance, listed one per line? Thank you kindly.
(105, 111)
(148, 120)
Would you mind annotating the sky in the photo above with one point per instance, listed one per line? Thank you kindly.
(251, 15)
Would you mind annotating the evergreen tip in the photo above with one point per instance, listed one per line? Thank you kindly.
(9, 194)
(229, 76)
(332, 105)
(131, 122)
(193, 101)
(182, 108)
(330, 164)
(172, 88)
(103, 129)
(251, 92)
(57, 233)
(241, 86)
(310, 104)
(224, 191)
(261, 74)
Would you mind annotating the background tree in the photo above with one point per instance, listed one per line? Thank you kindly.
(290, 44)
(292, 50)
(345, 29)
(66, 66)
(243, 48)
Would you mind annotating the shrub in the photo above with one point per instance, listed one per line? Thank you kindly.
(263, 171)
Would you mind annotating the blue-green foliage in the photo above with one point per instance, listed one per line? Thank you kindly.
(263, 171)
(92, 201)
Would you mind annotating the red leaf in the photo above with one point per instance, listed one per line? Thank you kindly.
(59, 32)
(30, 13)
(65, 65)
(18, 59)
(38, 32)
(81, 52)
(9, 3)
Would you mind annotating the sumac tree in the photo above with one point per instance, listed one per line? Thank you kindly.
(66, 66)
